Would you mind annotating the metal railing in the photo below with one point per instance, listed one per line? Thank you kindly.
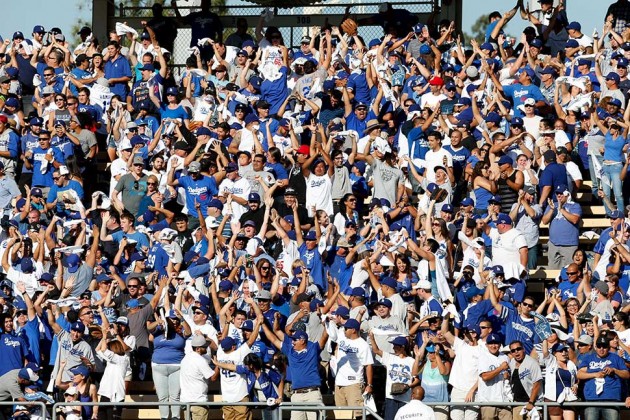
(39, 404)
(544, 405)
(320, 409)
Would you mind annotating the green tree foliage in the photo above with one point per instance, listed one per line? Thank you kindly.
(478, 29)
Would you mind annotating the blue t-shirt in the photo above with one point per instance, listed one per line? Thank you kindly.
(613, 148)
(201, 190)
(275, 91)
(357, 82)
(28, 142)
(140, 238)
(561, 231)
(14, 350)
(55, 193)
(303, 366)
(613, 386)
(179, 112)
(313, 261)
(117, 68)
(168, 350)
(520, 93)
(553, 175)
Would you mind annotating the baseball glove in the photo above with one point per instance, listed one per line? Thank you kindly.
(439, 194)
(349, 27)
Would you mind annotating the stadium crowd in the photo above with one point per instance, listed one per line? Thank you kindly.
(351, 217)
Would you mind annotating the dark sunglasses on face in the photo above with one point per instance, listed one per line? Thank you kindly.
(529, 305)
(516, 349)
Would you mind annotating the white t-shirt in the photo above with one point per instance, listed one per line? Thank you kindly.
(207, 329)
(319, 193)
(431, 100)
(532, 125)
(491, 390)
(398, 371)
(434, 159)
(465, 370)
(573, 174)
(193, 378)
(505, 251)
(117, 168)
(233, 385)
(415, 410)
(352, 356)
(240, 188)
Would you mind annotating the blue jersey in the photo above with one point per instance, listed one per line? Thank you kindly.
(313, 261)
(520, 93)
(613, 388)
(44, 178)
(28, 143)
(14, 351)
(518, 328)
(157, 259)
(202, 190)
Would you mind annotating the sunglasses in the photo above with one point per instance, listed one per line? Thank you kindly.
(352, 200)
(264, 268)
(572, 273)
(485, 328)
(516, 349)
(56, 178)
(199, 313)
(151, 183)
(132, 286)
(529, 305)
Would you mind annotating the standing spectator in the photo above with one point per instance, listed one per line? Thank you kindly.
(525, 378)
(519, 323)
(303, 368)
(553, 175)
(493, 370)
(465, 371)
(117, 70)
(169, 341)
(9, 147)
(615, 147)
(563, 218)
(399, 379)
(194, 375)
(560, 378)
(527, 213)
(354, 360)
(603, 373)
(509, 246)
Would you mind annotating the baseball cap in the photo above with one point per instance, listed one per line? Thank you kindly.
(78, 327)
(504, 219)
(613, 76)
(299, 334)
(423, 284)
(585, 339)
(602, 342)
(390, 282)
(399, 341)
(447, 208)
(352, 324)
(602, 287)
(505, 159)
(385, 302)
(467, 202)
(344, 312)
(28, 374)
(574, 25)
(253, 197)
(137, 160)
(231, 167)
(494, 339)
(227, 343)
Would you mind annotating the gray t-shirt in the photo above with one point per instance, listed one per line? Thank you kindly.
(341, 184)
(386, 180)
(132, 191)
(87, 140)
(83, 277)
(528, 225)
(250, 175)
(9, 387)
(138, 326)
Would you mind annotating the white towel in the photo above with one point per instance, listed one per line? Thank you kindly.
(122, 29)
(599, 385)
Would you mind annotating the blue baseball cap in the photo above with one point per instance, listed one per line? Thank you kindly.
(78, 327)
(494, 199)
(253, 197)
(493, 117)
(467, 202)
(504, 219)
(299, 334)
(132, 304)
(536, 43)
(390, 282)
(622, 62)
(385, 302)
(517, 121)
(310, 236)
(147, 67)
(498, 270)
(505, 159)
(447, 208)
(572, 43)
(472, 291)
(225, 285)
(399, 341)
(80, 370)
(487, 46)
(227, 343)
(494, 338)
(216, 203)
(342, 311)
(352, 324)
(574, 25)
(73, 261)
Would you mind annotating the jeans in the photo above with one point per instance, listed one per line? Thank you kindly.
(166, 380)
(532, 257)
(594, 176)
(598, 413)
(611, 172)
